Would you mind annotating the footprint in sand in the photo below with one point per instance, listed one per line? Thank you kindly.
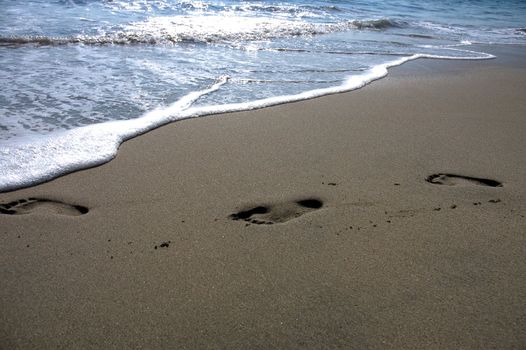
(277, 213)
(30, 205)
(460, 180)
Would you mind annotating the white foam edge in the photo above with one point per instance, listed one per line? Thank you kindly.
(42, 158)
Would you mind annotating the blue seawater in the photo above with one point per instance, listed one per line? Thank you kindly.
(79, 77)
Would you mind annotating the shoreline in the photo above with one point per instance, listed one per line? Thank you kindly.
(95, 155)
(303, 225)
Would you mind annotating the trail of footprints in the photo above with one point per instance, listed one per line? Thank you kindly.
(286, 211)
(30, 205)
(259, 214)
(267, 214)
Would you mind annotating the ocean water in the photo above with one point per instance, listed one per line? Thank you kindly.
(78, 77)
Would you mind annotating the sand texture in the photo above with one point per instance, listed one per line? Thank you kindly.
(392, 217)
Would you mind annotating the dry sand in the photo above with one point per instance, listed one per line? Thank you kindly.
(389, 260)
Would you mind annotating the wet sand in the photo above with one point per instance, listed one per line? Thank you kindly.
(392, 217)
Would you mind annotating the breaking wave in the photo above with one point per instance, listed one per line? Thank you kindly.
(205, 29)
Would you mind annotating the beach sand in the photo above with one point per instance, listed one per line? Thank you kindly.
(307, 225)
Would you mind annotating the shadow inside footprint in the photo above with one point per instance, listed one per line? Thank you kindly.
(459, 180)
(243, 215)
(27, 206)
(277, 213)
(310, 203)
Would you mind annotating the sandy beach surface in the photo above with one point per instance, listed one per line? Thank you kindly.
(307, 225)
